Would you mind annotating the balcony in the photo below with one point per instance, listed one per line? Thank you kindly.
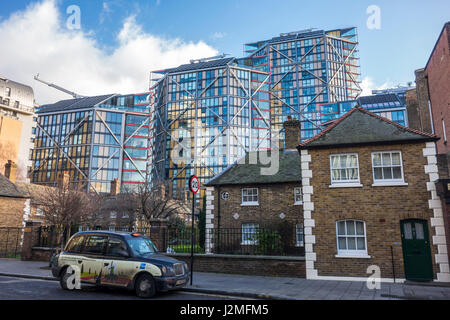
(6, 104)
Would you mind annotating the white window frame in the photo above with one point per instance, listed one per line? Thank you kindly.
(301, 243)
(39, 212)
(112, 228)
(113, 215)
(249, 203)
(346, 253)
(297, 191)
(255, 226)
(344, 183)
(388, 182)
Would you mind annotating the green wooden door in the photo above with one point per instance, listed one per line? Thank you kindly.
(416, 250)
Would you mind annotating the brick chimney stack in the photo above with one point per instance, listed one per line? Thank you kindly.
(63, 179)
(10, 171)
(291, 133)
(115, 187)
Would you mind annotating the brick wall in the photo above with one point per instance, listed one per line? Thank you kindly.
(417, 104)
(438, 72)
(246, 265)
(382, 209)
(274, 199)
(11, 211)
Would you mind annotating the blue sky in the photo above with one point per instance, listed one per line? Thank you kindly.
(389, 56)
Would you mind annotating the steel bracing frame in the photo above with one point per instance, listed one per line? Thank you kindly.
(88, 179)
(194, 101)
(295, 65)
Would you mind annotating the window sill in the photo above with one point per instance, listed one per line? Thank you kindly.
(352, 256)
(346, 185)
(250, 204)
(390, 184)
(298, 203)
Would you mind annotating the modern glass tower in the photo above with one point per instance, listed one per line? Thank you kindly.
(94, 139)
(207, 114)
(308, 69)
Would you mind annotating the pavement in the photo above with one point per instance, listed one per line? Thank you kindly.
(257, 287)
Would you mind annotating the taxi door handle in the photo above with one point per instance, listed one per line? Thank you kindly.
(106, 264)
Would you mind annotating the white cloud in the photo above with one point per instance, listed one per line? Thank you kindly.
(38, 42)
(368, 85)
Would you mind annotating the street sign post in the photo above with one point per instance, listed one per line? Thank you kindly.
(194, 186)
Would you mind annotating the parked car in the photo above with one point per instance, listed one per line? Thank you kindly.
(118, 259)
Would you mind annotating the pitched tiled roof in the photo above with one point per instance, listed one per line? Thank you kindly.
(73, 104)
(9, 189)
(246, 173)
(359, 126)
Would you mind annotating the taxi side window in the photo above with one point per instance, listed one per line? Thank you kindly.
(116, 247)
(95, 245)
(75, 245)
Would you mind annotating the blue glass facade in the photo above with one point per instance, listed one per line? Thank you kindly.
(102, 140)
(308, 69)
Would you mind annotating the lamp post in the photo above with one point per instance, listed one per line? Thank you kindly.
(194, 186)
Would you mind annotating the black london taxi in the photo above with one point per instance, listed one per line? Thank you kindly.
(118, 259)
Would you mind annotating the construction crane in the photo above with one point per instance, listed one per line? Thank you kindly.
(73, 94)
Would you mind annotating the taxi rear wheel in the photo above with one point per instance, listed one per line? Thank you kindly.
(145, 286)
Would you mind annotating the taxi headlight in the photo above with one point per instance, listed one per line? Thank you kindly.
(167, 271)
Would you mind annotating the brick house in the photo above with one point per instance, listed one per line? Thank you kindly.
(245, 199)
(370, 200)
(14, 202)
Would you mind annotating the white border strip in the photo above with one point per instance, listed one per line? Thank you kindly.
(437, 222)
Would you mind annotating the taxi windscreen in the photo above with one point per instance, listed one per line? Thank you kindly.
(142, 246)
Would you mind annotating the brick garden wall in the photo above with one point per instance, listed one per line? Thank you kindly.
(247, 265)
(381, 208)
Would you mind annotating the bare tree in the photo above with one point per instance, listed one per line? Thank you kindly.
(64, 208)
(153, 203)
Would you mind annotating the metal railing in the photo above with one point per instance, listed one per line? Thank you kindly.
(179, 240)
(10, 242)
(259, 241)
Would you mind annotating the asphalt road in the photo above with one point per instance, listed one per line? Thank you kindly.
(33, 289)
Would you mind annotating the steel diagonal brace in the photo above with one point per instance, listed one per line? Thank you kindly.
(197, 98)
(251, 95)
(297, 63)
(121, 146)
(300, 112)
(114, 153)
(61, 149)
(64, 140)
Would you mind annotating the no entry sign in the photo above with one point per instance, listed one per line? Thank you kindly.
(194, 184)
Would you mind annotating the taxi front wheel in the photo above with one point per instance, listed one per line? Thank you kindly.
(145, 286)
(65, 279)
